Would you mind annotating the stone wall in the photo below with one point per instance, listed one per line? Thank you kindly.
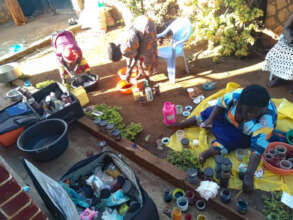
(278, 12)
(4, 13)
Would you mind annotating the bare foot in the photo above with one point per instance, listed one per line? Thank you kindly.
(206, 154)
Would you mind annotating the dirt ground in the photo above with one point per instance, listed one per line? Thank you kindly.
(37, 28)
(243, 71)
(42, 66)
(80, 145)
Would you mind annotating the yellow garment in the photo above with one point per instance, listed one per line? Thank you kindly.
(269, 181)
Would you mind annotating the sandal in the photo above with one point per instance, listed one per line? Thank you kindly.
(207, 154)
(273, 82)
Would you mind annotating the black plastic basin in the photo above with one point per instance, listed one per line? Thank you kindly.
(44, 140)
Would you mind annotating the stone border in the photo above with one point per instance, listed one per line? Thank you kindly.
(165, 170)
(36, 45)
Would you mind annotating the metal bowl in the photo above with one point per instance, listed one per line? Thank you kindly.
(89, 86)
(9, 72)
(13, 95)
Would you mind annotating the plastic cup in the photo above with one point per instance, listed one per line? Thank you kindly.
(179, 109)
(180, 135)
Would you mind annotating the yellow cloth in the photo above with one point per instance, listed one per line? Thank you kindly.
(269, 181)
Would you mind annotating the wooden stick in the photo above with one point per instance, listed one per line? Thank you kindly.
(16, 12)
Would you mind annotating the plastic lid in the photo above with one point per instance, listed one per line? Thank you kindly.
(103, 123)
(110, 127)
(191, 172)
(219, 159)
(226, 161)
(97, 121)
(208, 172)
(185, 141)
(116, 132)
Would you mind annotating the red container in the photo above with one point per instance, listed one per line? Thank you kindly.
(272, 168)
(10, 138)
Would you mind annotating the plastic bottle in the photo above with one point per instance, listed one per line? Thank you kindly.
(148, 92)
(176, 214)
(169, 112)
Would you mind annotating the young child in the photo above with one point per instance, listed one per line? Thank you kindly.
(69, 55)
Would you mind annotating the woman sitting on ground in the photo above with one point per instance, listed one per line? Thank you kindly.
(138, 43)
(245, 117)
(279, 60)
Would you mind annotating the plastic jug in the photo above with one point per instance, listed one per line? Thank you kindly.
(169, 112)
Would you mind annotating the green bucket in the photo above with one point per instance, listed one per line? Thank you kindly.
(289, 134)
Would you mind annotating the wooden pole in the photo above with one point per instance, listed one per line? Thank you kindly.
(16, 12)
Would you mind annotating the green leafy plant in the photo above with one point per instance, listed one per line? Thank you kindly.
(113, 116)
(183, 159)
(228, 24)
(132, 130)
(275, 209)
(43, 84)
(158, 10)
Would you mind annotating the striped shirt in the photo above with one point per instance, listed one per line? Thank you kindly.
(260, 129)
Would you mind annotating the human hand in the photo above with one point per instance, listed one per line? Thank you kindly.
(248, 183)
(207, 123)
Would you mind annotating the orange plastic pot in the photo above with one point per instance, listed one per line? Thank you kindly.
(125, 87)
(272, 168)
(10, 138)
(122, 73)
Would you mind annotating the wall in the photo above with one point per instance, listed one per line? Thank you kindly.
(15, 204)
(278, 12)
(4, 13)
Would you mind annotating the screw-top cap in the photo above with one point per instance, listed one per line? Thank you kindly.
(208, 172)
(219, 159)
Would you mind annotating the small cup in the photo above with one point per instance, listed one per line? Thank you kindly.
(185, 142)
(179, 135)
(179, 109)
(116, 134)
(110, 128)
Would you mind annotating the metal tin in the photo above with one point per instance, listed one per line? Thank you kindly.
(192, 175)
(116, 134)
(185, 142)
(110, 128)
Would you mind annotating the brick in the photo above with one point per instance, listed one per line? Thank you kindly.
(281, 4)
(278, 30)
(26, 213)
(15, 204)
(8, 189)
(40, 216)
(283, 15)
(271, 10)
(3, 173)
(271, 22)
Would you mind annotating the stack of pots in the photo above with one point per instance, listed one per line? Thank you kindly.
(108, 128)
(223, 170)
(280, 157)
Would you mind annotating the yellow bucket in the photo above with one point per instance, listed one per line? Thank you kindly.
(81, 95)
